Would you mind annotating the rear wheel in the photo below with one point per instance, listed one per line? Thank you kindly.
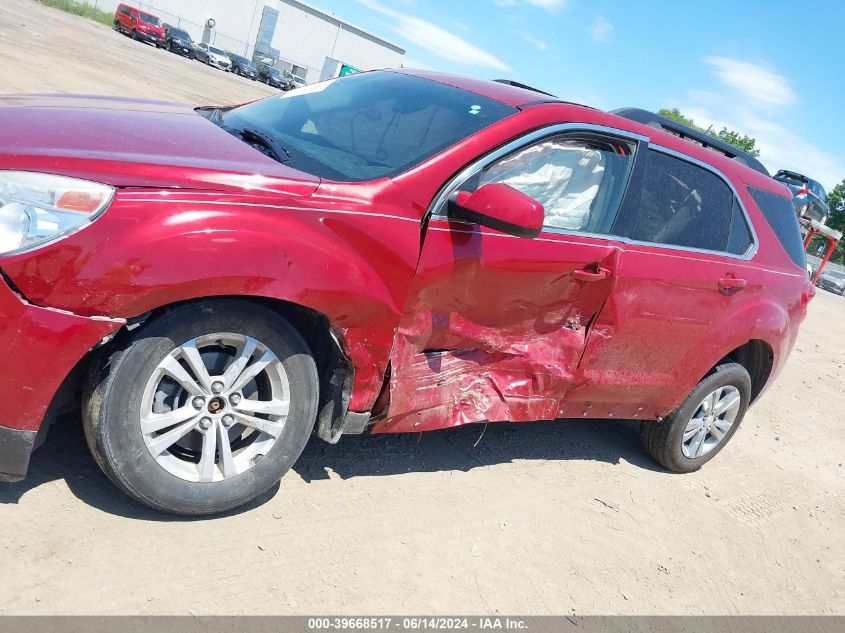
(205, 408)
(696, 431)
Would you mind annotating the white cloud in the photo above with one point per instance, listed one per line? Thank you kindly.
(601, 30)
(757, 105)
(548, 5)
(539, 44)
(553, 6)
(435, 39)
(756, 82)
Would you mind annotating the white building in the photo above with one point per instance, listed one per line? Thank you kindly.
(312, 43)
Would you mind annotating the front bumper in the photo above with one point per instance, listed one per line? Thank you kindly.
(41, 347)
(220, 65)
(185, 51)
(150, 37)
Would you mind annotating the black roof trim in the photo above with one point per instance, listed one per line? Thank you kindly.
(679, 129)
(516, 84)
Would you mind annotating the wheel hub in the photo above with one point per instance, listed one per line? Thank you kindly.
(216, 405)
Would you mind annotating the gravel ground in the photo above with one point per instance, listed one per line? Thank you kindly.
(544, 518)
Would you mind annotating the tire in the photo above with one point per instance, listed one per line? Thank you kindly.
(664, 439)
(168, 47)
(119, 394)
(135, 35)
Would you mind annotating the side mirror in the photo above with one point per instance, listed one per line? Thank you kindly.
(500, 207)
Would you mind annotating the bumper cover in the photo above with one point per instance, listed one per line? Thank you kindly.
(42, 346)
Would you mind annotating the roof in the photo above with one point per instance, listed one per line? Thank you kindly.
(511, 94)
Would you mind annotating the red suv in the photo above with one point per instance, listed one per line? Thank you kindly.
(141, 25)
(393, 251)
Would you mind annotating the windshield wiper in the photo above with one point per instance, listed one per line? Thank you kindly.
(278, 151)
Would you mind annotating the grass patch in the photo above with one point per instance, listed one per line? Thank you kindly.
(81, 9)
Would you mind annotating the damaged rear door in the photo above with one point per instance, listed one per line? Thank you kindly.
(495, 325)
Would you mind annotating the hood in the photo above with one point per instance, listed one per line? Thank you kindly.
(135, 143)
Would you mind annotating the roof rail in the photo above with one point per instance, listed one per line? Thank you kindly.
(685, 132)
(516, 84)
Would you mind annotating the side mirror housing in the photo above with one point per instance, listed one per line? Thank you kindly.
(500, 207)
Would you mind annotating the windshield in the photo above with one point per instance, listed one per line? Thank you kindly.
(216, 51)
(241, 61)
(367, 126)
(146, 18)
(178, 34)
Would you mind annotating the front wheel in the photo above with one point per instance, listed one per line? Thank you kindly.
(205, 408)
(691, 435)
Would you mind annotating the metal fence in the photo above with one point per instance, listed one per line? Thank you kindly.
(196, 30)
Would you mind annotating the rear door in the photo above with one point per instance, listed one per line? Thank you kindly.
(683, 282)
(495, 325)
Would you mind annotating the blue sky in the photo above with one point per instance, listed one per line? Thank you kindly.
(772, 69)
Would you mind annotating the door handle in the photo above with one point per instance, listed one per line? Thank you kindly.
(729, 285)
(583, 274)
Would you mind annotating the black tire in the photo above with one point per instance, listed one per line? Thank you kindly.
(112, 407)
(168, 47)
(117, 26)
(135, 35)
(663, 439)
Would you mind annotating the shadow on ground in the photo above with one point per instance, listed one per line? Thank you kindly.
(65, 456)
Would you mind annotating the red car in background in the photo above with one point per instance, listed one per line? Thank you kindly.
(141, 25)
(393, 251)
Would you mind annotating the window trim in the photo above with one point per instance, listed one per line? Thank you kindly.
(440, 200)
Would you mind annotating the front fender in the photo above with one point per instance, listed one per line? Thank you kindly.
(353, 265)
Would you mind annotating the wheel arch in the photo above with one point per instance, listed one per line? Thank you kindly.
(757, 357)
(336, 372)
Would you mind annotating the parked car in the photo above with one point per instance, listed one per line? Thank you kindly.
(141, 25)
(212, 56)
(178, 41)
(242, 66)
(295, 81)
(398, 251)
(272, 76)
(832, 281)
(808, 196)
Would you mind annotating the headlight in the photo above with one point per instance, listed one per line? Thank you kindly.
(40, 208)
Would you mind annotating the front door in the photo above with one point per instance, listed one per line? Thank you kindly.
(495, 325)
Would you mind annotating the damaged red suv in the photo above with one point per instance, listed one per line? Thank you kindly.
(393, 251)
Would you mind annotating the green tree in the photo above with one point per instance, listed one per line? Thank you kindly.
(836, 200)
(740, 141)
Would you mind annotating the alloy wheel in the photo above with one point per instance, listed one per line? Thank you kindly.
(711, 422)
(214, 407)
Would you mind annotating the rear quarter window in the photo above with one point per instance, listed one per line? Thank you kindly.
(780, 214)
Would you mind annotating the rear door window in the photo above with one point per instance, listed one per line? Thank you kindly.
(681, 204)
(739, 237)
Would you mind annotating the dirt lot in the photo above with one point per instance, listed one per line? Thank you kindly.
(545, 518)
